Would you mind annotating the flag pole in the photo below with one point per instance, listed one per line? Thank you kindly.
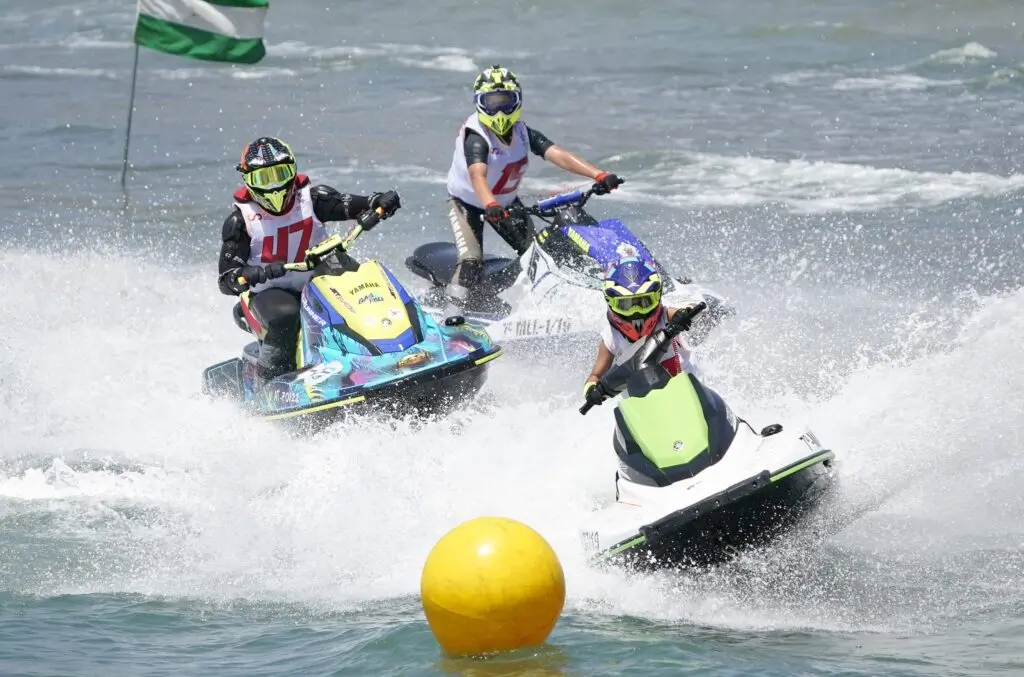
(128, 129)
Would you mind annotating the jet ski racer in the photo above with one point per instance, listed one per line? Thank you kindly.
(277, 215)
(632, 290)
(492, 153)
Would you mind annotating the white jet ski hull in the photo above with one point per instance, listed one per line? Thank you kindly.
(763, 485)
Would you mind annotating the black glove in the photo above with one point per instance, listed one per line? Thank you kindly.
(390, 202)
(257, 275)
(606, 183)
(275, 270)
(594, 393)
(681, 320)
(253, 275)
(495, 213)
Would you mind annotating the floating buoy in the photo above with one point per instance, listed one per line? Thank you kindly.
(491, 584)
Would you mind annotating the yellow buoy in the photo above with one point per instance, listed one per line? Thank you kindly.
(491, 584)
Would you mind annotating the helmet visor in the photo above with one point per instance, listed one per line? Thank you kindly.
(501, 101)
(266, 178)
(635, 304)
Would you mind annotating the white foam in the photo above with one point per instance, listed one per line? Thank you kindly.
(703, 179)
(262, 73)
(234, 509)
(894, 82)
(458, 63)
(79, 41)
(972, 51)
(418, 56)
(43, 71)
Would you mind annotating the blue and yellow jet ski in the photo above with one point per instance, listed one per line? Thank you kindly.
(364, 340)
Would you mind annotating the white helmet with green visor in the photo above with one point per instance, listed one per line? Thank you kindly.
(498, 99)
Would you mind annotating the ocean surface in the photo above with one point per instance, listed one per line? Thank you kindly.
(848, 173)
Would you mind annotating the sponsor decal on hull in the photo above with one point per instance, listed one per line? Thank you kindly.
(552, 326)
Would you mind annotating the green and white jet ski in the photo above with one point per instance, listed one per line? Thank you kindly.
(696, 484)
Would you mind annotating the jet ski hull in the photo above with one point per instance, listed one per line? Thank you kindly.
(718, 512)
(429, 392)
(531, 302)
(752, 513)
(529, 327)
(363, 343)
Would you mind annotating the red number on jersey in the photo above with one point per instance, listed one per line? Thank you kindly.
(510, 177)
(275, 247)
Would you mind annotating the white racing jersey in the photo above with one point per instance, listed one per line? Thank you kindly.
(677, 353)
(505, 169)
(283, 238)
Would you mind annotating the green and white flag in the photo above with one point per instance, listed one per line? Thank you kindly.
(211, 30)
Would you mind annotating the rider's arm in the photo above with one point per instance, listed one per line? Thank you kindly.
(560, 157)
(234, 253)
(602, 364)
(330, 205)
(539, 144)
(477, 152)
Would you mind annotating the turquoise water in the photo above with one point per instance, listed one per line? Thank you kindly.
(848, 173)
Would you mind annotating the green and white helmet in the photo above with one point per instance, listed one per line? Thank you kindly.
(498, 98)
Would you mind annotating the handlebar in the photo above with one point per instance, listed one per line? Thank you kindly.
(680, 322)
(549, 206)
(314, 255)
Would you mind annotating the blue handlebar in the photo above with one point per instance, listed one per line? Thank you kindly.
(559, 200)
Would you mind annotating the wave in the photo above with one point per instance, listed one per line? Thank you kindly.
(689, 179)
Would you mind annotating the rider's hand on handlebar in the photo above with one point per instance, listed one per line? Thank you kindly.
(594, 393)
(684, 316)
(389, 201)
(495, 213)
(253, 275)
(275, 270)
(605, 183)
(259, 274)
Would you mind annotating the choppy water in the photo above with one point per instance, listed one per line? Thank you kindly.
(849, 173)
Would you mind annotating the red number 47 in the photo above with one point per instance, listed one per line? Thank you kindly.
(276, 247)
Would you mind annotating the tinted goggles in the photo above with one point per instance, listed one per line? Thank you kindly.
(270, 177)
(501, 101)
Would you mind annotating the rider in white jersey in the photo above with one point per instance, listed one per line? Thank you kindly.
(492, 153)
(278, 215)
(632, 290)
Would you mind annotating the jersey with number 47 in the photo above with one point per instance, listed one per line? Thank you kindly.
(505, 167)
(283, 238)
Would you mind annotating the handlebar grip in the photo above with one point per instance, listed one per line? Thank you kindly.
(683, 318)
(586, 407)
(371, 218)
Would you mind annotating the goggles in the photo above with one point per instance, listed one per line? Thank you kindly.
(635, 304)
(266, 178)
(500, 101)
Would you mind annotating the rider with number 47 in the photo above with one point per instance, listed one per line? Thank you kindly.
(491, 157)
(278, 215)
